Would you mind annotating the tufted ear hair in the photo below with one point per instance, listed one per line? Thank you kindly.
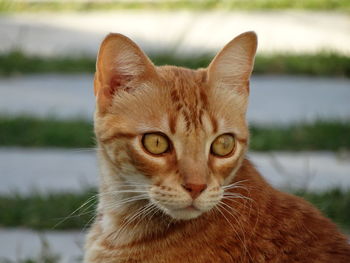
(233, 65)
(120, 64)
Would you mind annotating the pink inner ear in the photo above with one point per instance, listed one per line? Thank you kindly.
(118, 83)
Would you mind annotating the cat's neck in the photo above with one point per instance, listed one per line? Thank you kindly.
(120, 230)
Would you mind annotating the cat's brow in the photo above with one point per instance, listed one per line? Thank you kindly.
(214, 123)
(172, 123)
(118, 135)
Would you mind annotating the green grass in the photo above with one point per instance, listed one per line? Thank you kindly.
(40, 211)
(57, 6)
(320, 64)
(25, 131)
(35, 132)
(50, 211)
(16, 62)
(320, 135)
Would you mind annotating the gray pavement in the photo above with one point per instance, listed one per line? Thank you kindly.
(60, 170)
(180, 32)
(44, 95)
(45, 170)
(274, 99)
(21, 244)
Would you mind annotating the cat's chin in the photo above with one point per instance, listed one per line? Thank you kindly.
(184, 214)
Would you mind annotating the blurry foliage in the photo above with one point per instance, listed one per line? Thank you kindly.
(50, 132)
(26, 131)
(54, 211)
(83, 6)
(319, 64)
(16, 62)
(320, 135)
(47, 211)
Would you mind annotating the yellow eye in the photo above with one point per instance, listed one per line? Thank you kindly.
(223, 145)
(155, 143)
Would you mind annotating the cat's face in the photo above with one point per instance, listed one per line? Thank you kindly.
(171, 135)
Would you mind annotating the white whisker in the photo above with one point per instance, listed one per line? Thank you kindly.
(233, 228)
(90, 199)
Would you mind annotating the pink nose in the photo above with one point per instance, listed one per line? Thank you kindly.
(194, 189)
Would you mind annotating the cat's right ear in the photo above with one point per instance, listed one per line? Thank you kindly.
(120, 64)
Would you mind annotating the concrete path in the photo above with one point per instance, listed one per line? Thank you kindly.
(23, 244)
(45, 170)
(274, 99)
(55, 170)
(178, 32)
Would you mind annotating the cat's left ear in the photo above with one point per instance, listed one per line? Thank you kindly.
(233, 65)
(120, 66)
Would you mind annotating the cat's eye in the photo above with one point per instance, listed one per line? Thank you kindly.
(223, 145)
(155, 143)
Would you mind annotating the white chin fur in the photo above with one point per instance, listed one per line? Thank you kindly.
(183, 214)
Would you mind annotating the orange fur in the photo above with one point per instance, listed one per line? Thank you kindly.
(147, 212)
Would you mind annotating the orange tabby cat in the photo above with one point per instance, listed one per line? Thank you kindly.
(175, 184)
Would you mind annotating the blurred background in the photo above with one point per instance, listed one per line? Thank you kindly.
(299, 111)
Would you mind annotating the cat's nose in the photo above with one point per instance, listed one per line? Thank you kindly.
(194, 189)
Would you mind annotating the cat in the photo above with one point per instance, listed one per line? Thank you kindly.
(175, 182)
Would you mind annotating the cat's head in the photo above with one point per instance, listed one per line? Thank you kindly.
(171, 135)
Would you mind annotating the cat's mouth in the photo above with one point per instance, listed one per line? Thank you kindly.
(185, 213)
(181, 206)
(191, 207)
(188, 208)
